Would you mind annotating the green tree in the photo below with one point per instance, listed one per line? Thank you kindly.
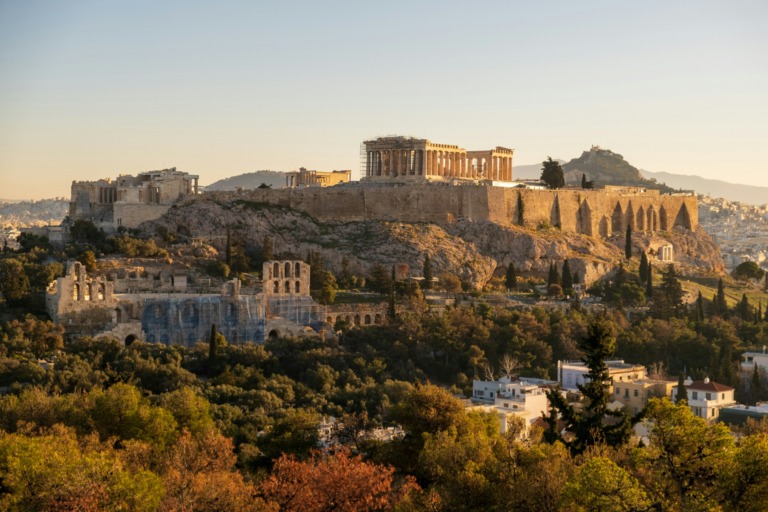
(649, 283)
(379, 280)
(554, 275)
(719, 304)
(682, 392)
(601, 484)
(744, 309)
(668, 298)
(14, 283)
(88, 259)
(594, 422)
(510, 280)
(583, 180)
(700, 308)
(567, 279)
(552, 173)
(643, 272)
(628, 243)
(520, 209)
(329, 289)
(427, 273)
(748, 270)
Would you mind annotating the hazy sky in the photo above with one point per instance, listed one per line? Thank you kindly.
(91, 89)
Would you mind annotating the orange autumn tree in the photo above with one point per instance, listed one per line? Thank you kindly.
(334, 481)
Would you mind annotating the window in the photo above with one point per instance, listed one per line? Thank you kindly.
(636, 393)
(709, 396)
(618, 391)
(723, 396)
(695, 395)
(479, 392)
(626, 393)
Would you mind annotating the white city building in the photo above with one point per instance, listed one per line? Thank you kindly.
(572, 373)
(706, 398)
(524, 398)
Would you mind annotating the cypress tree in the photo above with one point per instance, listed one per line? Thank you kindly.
(759, 315)
(754, 387)
(720, 306)
(699, 308)
(682, 393)
(520, 209)
(628, 244)
(583, 180)
(744, 309)
(228, 250)
(511, 279)
(427, 273)
(554, 275)
(643, 267)
(567, 278)
(649, 283)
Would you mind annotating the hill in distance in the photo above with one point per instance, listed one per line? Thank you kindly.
(605, 167)
(250, 180)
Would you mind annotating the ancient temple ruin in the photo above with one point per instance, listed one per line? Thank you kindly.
(408, 158)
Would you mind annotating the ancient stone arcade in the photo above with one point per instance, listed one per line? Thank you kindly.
(305, 178)
(406, 158)
(129, 200)
(164, 308)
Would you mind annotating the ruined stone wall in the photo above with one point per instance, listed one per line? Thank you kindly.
(80, 302)
(360, 315)
(130, 215)
(592, 212)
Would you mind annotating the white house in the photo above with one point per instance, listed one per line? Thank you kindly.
(706, 398)
(522, 398)
(752, 359)
(572, 373)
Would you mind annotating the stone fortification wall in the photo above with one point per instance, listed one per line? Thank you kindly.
(130, 215)
(592, 212)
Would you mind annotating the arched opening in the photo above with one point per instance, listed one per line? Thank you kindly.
(297, 270)
(87, 292)
(377, 319)
(298, 287)
(273, 334)
(617, 219)
(683, 218)
(276, 270)
(357, 319)
(652, 223)
(630, 216)
(100, 292)
(603, 228)
(287, 287)
(76, 292)
(367, 319)
(287, 269)
(640, 224)
(554, 213)
(663, 224)
(584, 220)
(118, 315)
(130, 339)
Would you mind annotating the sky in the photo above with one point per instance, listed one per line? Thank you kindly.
(92, 89)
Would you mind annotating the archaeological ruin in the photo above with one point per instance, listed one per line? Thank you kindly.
(408, 158)
(307, 178)
(129, 200)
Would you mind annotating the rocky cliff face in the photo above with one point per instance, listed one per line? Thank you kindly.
(472, 250)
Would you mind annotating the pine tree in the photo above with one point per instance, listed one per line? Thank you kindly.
(670, 297)
(643, 272)
(520, 209)
(554, 275)
(595, 422)
(511, 278)
(682, 393)
(567, 279)
(427, 273)
(552, 173)
(628, 244)
(583, 180)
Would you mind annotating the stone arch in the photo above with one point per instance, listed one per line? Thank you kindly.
(357, 319)
(584, 219)
(118, 315)
(100, 291)
(663, 219)
(287, 287)
(346, 318)
(367, 319)
(554, 213)
(274, 333)
(276, 287)
(297, 270)
(297, 287)
(617, 219)
(377, 319)
(87, 291)
(287, 269)
(76, 291)
(190, 310)
(640, 223)
(630, 216)
(604, 227)
(275, 270)
(130, 339)
(683, 218)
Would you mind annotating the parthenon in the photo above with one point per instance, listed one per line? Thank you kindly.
(409, 158)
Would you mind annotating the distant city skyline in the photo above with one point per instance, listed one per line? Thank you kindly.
(91, 89)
